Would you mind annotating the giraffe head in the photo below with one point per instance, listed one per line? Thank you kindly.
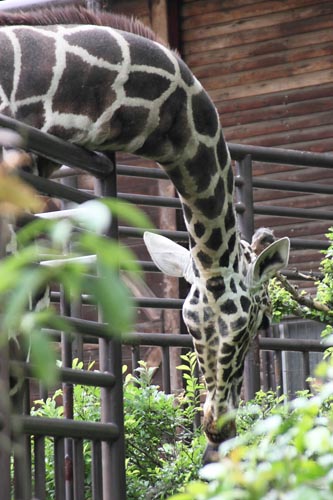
(223, 312)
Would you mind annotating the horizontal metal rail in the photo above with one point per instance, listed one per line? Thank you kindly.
(297, 345)
(304, 213)
(142, 302)
(157, 201)
(95, 329)
(150, 173)
(302, 187)
(284, 156)
(57, 150)
(83, 377)
(59, 427)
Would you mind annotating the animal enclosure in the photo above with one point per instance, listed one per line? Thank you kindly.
(160, 334)
(69, 435)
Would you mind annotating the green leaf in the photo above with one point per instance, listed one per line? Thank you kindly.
(43, 358)
(114, 299)
(128, 212)
(109, 252)
(183, 368)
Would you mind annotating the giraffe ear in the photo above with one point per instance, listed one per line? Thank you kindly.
(271, 260)
(172, 259)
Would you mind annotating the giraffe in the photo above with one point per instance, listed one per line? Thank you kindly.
(108, 83)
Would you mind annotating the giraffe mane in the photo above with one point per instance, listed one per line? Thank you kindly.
(78, 15)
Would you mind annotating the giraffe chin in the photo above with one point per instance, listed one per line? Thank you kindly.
(216, 435)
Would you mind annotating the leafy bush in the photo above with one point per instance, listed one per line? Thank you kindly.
(287, 299)
(284, 450)
(163, 450)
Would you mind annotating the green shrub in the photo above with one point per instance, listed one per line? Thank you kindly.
(284, 450)
(163, 450)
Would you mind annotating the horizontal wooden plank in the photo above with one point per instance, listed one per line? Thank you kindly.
(286, 124)
(258, 48)
(299, 96)
(259, 22)
(261, 65)
(280, 112)
(286, 138)
(239, 11)
(292, 28)
(307, 175)
(270, 74)
(277, 85)
(190, 8)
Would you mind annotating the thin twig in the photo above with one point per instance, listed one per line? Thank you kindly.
(303, 300)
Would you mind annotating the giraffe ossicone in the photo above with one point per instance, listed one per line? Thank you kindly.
(106, 83)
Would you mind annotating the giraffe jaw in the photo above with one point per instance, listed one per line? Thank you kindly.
(217, 432)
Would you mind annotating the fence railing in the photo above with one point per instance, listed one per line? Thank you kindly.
(107, 436)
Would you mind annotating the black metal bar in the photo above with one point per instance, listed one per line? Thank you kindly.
(58, 150)
(278, 372)
(156, 201)
(94, 329)
(78, 470)
(279, 344)
(150, 173)
(5, 421)
(303, 213)
(244, 193)
(135, 357)
(302, 187)
(114, 479)
(306, 369)
(96, 470)
(39, 457)
(144, 302)
(60, 427)
(252, 371)
(300, 244)
(134, 232)
(59, 467)
(166, 369)
(51, 188)
(22, 478)
(83, 377)
(284, 156)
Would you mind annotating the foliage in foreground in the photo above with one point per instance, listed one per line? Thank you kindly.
(22, 280)
(284, 451)
(163, 451)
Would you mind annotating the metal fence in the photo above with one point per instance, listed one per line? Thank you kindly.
(26, 478)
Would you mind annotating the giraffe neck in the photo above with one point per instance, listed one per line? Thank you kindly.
(107, 89)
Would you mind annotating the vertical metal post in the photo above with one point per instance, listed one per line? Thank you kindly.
(68, 399)
(110, 359)
(66, 359)
(306, 369)
(5, 420)
(244, 195)
(5, 427)
(135, 357)
(166, 370)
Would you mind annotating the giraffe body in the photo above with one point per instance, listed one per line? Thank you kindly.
(107, 89)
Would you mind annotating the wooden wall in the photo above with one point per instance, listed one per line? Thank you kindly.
(268, 66)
